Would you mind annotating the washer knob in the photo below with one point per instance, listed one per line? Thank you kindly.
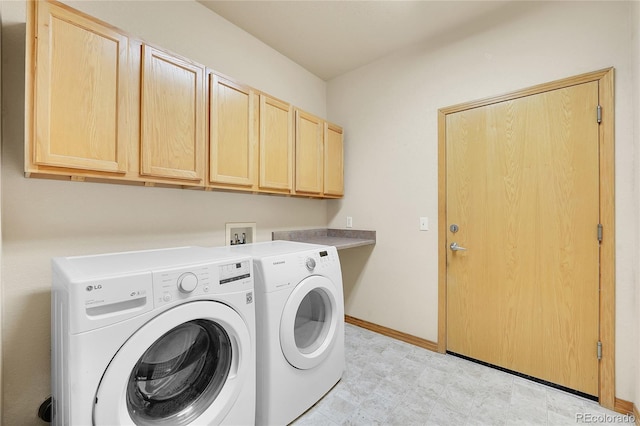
(187, 282)
(310, 263)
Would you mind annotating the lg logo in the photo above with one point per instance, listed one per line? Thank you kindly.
(94, 287)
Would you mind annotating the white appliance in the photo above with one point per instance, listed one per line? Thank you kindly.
(159, 337)
(300, 326)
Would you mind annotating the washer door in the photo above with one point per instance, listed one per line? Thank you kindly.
(309, 323)
(186, 365)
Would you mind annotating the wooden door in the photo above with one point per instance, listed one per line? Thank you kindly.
(173, 111)
(333, 160)
(233, 127)
(80, 92)
(309, 153)
(523, 189)
(276, 144)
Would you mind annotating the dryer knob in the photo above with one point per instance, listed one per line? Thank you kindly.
(311, 263)
(187, 282)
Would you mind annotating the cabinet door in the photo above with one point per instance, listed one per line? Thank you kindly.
(233, 133)
(276, 144)
(309, 147)
(333, 160)
(173, 111)
(80, 93)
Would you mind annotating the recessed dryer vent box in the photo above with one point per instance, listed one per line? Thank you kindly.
(240, 233)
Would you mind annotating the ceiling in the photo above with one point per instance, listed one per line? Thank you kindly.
(330, 38)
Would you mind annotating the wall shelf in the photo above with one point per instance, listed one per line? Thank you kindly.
(340, 238)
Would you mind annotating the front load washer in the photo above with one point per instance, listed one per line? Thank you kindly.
(300, 326)
(159, 337)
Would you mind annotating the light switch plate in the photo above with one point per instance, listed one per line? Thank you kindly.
(349, 222)
(424, 223)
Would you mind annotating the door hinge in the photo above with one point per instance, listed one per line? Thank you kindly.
(600, 232)
(599, 114)
(599, 349)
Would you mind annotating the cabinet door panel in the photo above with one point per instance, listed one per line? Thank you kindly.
(80, 92)
(173, 111)
(233, 133)
(333, 160)
(276, 144)
(309, 153)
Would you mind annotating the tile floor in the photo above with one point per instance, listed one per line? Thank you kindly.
(389, 382)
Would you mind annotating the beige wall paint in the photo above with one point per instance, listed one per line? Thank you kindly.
(45, 218)
(634, 17)
(389, 112)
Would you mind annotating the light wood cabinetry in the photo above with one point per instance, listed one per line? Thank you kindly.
(276, 145)
(233, 131)
(309, 153)
(173, 114)
(333, 160)
(80, 103)
(319, 156)
(102, 105)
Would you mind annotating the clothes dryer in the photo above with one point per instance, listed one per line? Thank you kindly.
(159, 337)
(300, 326)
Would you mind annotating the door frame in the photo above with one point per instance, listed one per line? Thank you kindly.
(605, 79)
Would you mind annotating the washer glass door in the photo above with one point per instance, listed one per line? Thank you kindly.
(180, 375)
(187, 365)
(309, 323)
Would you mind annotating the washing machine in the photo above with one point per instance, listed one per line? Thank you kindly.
(300, 326)
(159, 337)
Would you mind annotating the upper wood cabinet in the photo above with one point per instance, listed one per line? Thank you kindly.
(276, 145)
(319, 156)
(309, 153)
(173, 117)
(333, 160)
(103, 105)
(80, 105)
(233, 131)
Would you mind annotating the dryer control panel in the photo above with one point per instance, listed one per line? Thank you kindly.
(285, 271)
(177, 284)
(318, 260)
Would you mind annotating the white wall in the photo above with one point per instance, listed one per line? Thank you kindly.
(45, 218)
(389, 112)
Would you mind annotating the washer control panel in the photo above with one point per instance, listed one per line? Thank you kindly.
(187, 282)
(178, 284)
(232, 272)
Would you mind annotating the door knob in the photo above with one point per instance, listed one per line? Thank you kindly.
(456, 247)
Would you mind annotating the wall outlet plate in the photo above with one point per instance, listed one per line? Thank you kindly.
(349, 222)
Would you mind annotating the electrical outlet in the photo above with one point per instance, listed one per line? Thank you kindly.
(349, 222)
(424, 223)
